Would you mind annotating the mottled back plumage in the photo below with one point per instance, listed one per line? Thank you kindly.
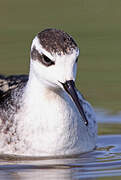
(10, 95)
(8, 83)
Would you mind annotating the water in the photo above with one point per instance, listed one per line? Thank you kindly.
(102, 163)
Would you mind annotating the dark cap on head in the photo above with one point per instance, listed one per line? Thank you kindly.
(56, 41)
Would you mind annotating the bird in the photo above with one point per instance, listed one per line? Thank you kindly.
(43, 113)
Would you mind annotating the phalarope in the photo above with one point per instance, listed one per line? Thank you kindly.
(43, 114)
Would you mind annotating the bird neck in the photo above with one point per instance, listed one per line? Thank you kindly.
(38, 91)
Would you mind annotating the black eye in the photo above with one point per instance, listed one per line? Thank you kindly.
(46, 61)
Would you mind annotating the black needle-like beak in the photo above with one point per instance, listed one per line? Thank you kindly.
(69, 87)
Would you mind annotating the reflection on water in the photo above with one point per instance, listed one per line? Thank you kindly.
(103, 116)
(104, 162)
(108, 123)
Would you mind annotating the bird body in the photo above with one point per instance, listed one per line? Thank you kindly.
(43, 114)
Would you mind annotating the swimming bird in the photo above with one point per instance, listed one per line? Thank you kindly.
(43, 114)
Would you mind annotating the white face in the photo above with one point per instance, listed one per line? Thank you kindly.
(54, 68)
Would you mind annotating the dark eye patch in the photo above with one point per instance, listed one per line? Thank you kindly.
(35, 55)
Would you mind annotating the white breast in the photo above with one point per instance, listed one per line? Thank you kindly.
(53, 126)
